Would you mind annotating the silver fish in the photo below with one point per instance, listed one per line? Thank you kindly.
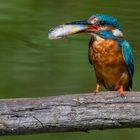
(64, 30)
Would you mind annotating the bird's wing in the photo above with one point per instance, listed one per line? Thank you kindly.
(128, 57)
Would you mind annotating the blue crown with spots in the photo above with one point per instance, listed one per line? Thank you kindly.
(108, 19)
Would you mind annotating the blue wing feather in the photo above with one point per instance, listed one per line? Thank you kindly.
(128, 57)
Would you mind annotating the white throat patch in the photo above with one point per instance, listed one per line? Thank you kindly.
(117, 33)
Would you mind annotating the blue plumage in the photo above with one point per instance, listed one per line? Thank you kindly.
(109, 20)
(128, 56)
(106, 34)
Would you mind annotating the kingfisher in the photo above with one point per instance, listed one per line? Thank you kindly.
(109, 52)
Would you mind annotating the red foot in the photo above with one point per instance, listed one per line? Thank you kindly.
(97, 90)
(121, 91)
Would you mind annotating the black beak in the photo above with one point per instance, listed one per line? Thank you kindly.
(80, 22)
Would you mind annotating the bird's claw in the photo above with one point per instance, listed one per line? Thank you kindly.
(96, 92)
(122, 95)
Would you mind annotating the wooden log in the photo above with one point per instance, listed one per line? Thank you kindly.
(80, 112)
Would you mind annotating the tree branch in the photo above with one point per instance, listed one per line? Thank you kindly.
(82, 112)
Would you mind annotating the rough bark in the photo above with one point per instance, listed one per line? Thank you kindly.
(82, 112)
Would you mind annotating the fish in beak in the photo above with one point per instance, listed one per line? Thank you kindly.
(70, 28)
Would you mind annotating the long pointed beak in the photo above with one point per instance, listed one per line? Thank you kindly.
(71, 28)
(80, 22)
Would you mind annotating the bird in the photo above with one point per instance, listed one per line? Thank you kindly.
(109, 52)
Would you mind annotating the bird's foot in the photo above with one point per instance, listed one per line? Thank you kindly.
(122, 94)
(97, 90)
(121, 91)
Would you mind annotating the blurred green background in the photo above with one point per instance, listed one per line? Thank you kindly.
(32, 66)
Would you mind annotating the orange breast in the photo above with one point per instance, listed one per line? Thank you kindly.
(109, 64)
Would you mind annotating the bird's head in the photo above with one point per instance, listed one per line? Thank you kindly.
(103, 22)
(93, 25)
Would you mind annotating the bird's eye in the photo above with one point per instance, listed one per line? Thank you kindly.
(102, 22)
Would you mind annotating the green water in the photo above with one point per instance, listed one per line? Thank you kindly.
(32, 66)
